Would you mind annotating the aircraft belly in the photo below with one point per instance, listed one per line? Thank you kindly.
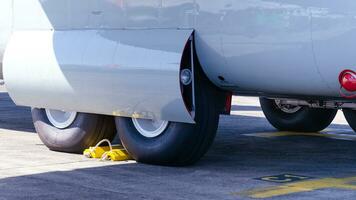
(262, 46)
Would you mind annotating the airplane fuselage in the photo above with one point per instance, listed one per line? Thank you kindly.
(289, 49)
(277, 47)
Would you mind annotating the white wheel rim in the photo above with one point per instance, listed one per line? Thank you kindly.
(150, 128)
(60, 119)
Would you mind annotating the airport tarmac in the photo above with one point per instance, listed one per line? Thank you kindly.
(248, 160)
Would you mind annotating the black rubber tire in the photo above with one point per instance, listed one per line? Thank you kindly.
(304, 120)
(87, 130)
(180, 144)
(350, 116)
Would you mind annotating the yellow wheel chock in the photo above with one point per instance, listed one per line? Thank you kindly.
(111, 152)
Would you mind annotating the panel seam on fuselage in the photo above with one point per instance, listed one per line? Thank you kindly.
(313, 52)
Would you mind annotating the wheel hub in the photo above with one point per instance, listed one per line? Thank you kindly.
(287, 108)
(61, 119)
(150, 128)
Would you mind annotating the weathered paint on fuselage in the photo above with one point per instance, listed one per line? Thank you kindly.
(282, 47)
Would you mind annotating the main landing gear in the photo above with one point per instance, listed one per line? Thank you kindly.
(296, 118)
(148, 141)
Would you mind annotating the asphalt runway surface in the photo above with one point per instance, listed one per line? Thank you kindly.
(248, 160)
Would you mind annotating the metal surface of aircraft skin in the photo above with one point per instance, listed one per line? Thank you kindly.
(278, 47)
(126, 57)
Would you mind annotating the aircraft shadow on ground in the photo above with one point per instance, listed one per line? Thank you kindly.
(14, 117)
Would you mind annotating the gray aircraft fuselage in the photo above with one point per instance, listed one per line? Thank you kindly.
(289, 48)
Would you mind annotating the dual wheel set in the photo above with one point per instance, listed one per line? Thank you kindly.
(302, 118)
(148, 141)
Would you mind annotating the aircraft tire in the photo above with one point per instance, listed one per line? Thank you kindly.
(304, 119)
(350, 116)
(178, 144)
(86, 130)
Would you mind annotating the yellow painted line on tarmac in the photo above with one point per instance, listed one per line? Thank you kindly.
(329, 133)
(284, 178)
(299, 187)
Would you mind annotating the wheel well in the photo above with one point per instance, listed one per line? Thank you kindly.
(190, 61)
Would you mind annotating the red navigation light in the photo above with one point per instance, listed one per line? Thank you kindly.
(347, 80)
